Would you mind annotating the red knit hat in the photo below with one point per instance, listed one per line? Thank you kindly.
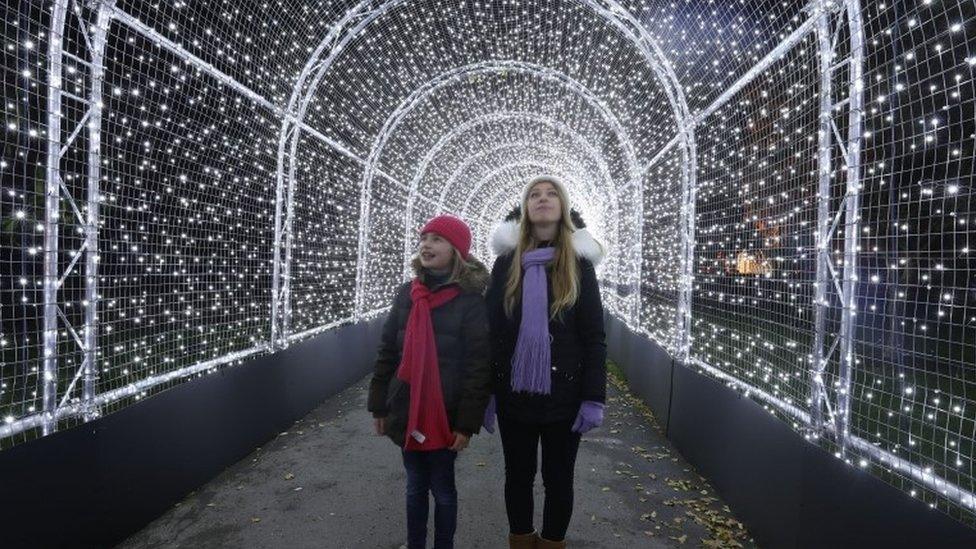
(453, 230)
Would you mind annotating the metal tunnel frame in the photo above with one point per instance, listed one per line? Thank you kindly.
(489, 67)
(825, 18)
(359, 17)
(558, 126)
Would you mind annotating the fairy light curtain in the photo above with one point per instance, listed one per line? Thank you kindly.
(785, 189)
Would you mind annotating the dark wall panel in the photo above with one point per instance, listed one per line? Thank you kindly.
(788, 492)
(94, 485)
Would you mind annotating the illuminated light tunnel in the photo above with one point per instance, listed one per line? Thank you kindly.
(197, 192)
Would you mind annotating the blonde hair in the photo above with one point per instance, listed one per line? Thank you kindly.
(564, 276)
(458, 267)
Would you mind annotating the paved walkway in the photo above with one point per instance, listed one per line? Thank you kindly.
(329, 483)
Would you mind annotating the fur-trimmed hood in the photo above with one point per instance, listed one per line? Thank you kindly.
(474, 278)
(504, 238)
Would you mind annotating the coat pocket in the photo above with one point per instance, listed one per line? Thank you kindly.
(567, 383)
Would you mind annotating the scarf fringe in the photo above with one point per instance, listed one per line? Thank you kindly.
(531, 361)
(530, 364)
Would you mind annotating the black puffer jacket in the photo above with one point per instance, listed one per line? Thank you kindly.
(578, 345)
(461, 337)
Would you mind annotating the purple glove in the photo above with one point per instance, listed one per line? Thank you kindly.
(489, 422)
(590, 415)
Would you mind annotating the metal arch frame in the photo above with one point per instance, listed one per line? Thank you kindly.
(481, 219)
(291, 125)
(284, 191)
(573, 168)
(855, 140)
(504, 167)
(614, 14)
(488, 67)
(56, 148)
(483, 180)
(293, 122)
(52, 282)
(829, 21)
(847, 290)
(88, 409)
(689, 176)
(555, 124)
(52, 213)
(99, 41)
(302, 93)
(562, 128)
(504, 115)
(494, 117)
(521, 144)
(421, 94)
(818, 365)
(689, 169)
(90, 406)
(518, 145)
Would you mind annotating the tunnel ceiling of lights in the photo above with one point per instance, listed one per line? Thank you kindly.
(785, 190)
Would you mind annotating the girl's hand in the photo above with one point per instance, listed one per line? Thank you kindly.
(460, 442)
(379, 424)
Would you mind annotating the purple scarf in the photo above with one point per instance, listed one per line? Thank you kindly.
(531, 361)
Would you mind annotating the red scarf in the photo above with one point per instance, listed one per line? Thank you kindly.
(427, 427)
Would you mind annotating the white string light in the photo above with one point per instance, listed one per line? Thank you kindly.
(248, 148)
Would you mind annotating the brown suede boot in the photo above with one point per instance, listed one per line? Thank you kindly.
(546, 544)
(523, 541)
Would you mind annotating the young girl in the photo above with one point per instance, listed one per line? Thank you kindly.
(432, 378)
(549, 355)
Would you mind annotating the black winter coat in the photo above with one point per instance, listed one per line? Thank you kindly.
(579, 350)
(461, 337)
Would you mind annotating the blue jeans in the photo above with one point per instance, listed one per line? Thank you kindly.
(431, 472)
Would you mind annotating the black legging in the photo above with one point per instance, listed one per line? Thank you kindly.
(520, 442)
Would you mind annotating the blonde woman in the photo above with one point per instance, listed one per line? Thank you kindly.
(548, 354)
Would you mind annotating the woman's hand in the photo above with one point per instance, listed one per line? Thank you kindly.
(460, 442)
(589, 417)
(379, 423)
